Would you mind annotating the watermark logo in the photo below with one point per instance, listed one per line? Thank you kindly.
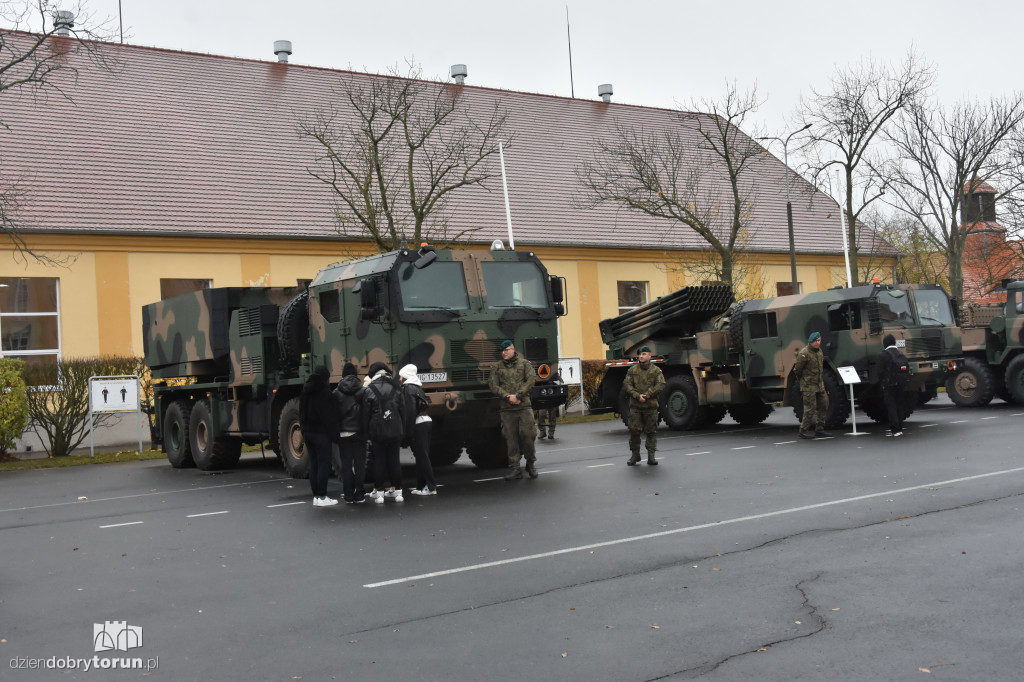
(116, 635)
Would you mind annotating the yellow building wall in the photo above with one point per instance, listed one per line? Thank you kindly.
(103, 289)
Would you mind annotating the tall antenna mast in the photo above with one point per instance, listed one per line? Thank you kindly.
(568, 37)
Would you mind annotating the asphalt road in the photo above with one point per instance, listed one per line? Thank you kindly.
(747, 554)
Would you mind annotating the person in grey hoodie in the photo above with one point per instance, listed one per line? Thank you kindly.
(351, 458)
(416, 416)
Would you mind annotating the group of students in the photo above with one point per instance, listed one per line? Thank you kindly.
(381, 412)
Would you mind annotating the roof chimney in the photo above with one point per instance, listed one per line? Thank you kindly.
(605, 91)
(459, 73)
(63, 22)
(282, 48)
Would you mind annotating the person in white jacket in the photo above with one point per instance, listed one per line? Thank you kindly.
(416, 406)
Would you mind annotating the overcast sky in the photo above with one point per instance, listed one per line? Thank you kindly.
(658, 53)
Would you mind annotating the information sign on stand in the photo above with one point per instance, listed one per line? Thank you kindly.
(571, 372)
(850, 377)
(114, 394)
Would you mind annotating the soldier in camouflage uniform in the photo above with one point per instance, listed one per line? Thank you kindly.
(809, 369)
(643, 383)
(511, 379)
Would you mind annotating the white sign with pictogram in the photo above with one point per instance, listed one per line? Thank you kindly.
(114, 395)
(571, 370)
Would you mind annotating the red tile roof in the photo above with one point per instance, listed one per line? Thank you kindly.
(178, 143)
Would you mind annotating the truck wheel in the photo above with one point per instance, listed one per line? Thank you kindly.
(752, 413)
(289, 437)
(293, 330)
(973, 385)
(709, 415)
(838, 404)
(176, 438)
(872, 402)
(679, 403)
(926, 395)
(1015, 379)
(736, 328)
(624, 406)
(211, 452)
(445, 451)
(487, 449)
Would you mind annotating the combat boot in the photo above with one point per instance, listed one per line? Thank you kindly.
(634, 460)
(540, 434)
(531, 470)
(651, 461)
(514, 474)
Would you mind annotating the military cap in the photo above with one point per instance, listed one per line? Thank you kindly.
(644, 349)
(506, 343)
(813, 337)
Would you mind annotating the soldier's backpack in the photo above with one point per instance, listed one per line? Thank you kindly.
(899, 370)
(386, 422)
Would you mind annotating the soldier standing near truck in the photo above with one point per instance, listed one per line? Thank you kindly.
(809, 370)
(643, 385)
(511, 379)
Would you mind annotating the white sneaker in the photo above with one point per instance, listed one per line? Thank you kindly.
(424, 491)
(897, 434)
(399, 498)
(328, 501)
(378, 496)
(394, 492)
(316, 502)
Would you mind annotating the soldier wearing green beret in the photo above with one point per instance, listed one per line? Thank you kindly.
(809, 369)
(511, 379)
(643, 384)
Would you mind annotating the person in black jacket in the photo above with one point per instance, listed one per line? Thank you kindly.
(318, 417)
(892, 384)
(416, 404)
(351, 461)
(386, 464)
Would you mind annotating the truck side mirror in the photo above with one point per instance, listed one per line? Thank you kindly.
(427, 256)
(557, 290)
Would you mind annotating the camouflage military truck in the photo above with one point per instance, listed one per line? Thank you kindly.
(719, 357)
(228, 364)
(993, 341)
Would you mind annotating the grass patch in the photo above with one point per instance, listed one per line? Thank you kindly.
(585, 419)
(79, 460)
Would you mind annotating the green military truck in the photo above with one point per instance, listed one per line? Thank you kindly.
(228, 364)
(993, 341)
(720, 357)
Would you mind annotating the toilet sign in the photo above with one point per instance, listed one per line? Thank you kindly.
(114, 395)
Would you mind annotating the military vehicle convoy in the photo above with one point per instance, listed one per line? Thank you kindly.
(719, 357)
(993, 342)
(228, 364)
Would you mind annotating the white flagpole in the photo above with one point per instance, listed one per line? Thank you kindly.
(508, 210)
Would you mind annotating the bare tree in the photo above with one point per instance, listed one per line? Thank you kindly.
(918, 262)
(395, 152)
(944, 156)
(847, 122)
(39, 43)
(677, 173)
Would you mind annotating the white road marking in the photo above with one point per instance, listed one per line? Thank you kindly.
(117, 525)
(1017, 414)
(484, 480)
(128, 497)
(676, 531)
(959, 421)
(745, 447)
(286, 504)
(925, 426)
(990, 417)
(192, 516)
(693, 454)
(598, 466)
(553, 471)
(786, 442)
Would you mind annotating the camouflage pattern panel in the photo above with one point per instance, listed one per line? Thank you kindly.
(254, 349)
(1007, 332)
(191, 335)
(972, 339)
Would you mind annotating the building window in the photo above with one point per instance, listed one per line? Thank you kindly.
(631, 295)
(786, 288)
(762, 325)
(30, 324)
(169, 288)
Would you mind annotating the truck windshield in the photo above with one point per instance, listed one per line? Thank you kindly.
(438, 286)
(933, 307)
(514, 285)
(894, 308)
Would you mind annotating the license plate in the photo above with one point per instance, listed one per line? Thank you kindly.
(433, 377)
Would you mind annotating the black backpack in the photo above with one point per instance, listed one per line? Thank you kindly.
(899, 370)
(386, 421)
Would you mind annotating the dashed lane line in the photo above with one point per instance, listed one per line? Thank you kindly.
(676, 531)
(694, 454)
(745, 447)
(959, 421)
(990, 417)
(925, 426)
(786, 442)
(117, 525)
(598, 466)
(193, 516)
(286, 504)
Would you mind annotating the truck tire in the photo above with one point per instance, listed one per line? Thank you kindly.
(926, 395)
(752, 413)
(680, 406)
(1015, 379)
(176, 438)
(973, 385)
(445, 451)
(293, 330)
(736, 328)
(487, 449)
(872, 402)
(289, 436)
(210, 452)
(838, 404)
(624, 406)
(709, 415)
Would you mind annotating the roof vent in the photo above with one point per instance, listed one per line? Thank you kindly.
(282, 48)
(459, 73)
(605, 91)
(63, 22)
